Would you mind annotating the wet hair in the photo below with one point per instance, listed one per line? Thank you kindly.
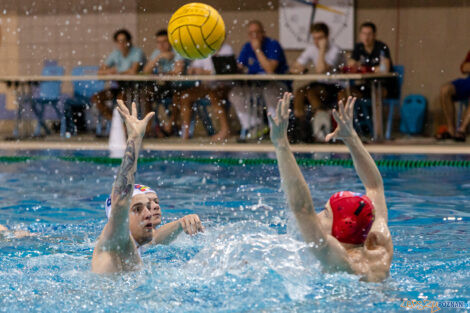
(256, 22)
(320, 27)
(124, 32)
(370, 25)
(161, 32)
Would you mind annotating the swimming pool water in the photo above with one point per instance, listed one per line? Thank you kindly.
(250, 258)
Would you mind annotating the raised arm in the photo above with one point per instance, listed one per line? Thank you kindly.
(325, 247)
(124, 183)
(115, 237)
(363, 162)
(293, 182)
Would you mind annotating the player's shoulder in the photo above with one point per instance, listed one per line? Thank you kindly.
(379, 236)
(378, 261)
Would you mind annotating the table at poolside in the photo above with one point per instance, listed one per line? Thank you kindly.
(20, 84)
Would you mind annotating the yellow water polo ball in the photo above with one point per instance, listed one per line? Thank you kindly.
(196, 31)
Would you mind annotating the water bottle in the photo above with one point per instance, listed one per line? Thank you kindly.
(383, 65)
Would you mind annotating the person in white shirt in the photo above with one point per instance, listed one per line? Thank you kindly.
(325, 57)
(216, 92)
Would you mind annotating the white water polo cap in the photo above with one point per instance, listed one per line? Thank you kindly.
(138, 190)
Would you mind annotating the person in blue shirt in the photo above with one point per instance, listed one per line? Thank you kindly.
(260, 55)
(163, 61)
(126, 59)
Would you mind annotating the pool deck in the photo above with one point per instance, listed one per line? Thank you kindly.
(402, 146)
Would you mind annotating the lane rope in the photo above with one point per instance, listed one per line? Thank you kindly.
(244, 161)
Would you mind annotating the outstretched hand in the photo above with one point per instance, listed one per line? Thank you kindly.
(191, 224)
(344, 118)
(279, 123)
(134, 126)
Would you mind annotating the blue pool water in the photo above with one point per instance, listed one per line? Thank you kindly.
(250, 258)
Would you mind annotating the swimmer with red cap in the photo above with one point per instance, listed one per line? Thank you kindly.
(351, 234)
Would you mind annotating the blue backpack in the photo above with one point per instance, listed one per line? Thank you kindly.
(413, 114)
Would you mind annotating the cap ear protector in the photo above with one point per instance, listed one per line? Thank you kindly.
(353, 215)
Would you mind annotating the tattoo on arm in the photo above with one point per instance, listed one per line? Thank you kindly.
(124, 182)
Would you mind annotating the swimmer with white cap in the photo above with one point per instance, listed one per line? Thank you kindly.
(17, 233)
(133, 210)
(190, 224)
(351, 234)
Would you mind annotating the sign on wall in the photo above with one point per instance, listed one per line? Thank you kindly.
(296, 16)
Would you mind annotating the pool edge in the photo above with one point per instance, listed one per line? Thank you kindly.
(262, 147)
